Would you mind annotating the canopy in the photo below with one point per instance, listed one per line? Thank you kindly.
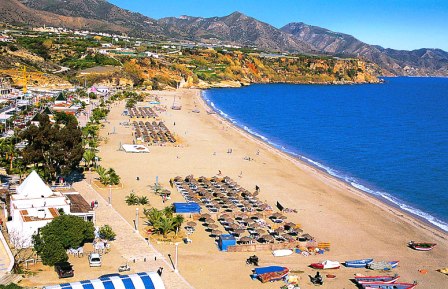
(131, 148)
(187, 208)
(144, 280)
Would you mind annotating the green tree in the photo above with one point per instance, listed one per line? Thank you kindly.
(102, 173)
(89, 156)
(64, 232)
(53, 149)
(107, 233)
(163, 221)
(114, 179)
(131, 200)
(143, 200)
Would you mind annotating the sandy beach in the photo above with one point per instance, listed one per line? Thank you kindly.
(357, 226)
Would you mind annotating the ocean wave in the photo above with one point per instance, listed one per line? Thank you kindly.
(335, 173)
(255, 134)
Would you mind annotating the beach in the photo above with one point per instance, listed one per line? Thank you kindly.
(357, 225)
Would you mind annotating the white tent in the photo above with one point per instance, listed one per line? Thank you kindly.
(33, 187)
(135, 148)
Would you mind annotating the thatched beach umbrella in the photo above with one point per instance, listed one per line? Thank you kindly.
(288, 237)
(245, 240)
(279, 230)
(267, 238)
(239, 231)
(191, 224)
(216, 232)
(212, 226)
(234, 226)
(260, 231)
(209, 221)
(205, 216)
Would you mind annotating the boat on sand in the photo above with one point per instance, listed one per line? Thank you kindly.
(389, 286)
(421, 246)
(282, 253)
(375, 279)
(327, 264)
(383, 265)
(270, 273)
(362, 263)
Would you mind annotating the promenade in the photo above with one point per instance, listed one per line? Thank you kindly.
(129, 243)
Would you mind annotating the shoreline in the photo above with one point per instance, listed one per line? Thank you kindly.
(301, 161)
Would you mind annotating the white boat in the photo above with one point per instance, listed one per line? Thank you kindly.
(282, 252)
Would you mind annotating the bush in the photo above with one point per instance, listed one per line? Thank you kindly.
(107, 233)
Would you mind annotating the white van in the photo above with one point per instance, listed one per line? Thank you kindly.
(94, 260)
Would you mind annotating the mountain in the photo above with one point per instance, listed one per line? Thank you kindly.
(236, 28)
(397, 62)
(102, 11)
(15, 12)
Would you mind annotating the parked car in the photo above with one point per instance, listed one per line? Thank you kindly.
(64, 269)
(94, 260)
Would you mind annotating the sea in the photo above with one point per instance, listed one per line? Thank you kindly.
(389, 140)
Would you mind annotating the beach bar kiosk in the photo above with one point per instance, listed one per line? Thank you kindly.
(187, 208)
(144, 280)
(225, 241)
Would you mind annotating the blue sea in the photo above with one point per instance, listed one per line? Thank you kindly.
(389, 140)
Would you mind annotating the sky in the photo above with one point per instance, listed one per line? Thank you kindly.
(398, 24)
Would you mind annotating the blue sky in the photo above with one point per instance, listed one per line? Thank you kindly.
(399, 24)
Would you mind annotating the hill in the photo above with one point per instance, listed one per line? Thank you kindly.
(398, 62)
(236, 29)
(15, 12)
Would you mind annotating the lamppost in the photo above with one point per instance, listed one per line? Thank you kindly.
(110, 195)
(136, 220)
(175, 267)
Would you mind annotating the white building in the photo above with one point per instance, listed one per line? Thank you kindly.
(34, 205)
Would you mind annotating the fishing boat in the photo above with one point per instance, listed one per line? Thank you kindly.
(327, 264)
(376, 279)
(421, 246)
(282, 253)
(390, 286)
(383, 265)
(362, 263)
(270, 273)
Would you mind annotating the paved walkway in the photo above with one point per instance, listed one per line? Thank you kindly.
(130, 244)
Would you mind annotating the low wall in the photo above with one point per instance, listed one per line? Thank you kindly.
(269, 246)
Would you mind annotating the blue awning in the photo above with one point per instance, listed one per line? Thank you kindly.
(187, 208)
(144, 280)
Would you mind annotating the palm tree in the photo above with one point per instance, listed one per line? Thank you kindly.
(163, 221)
(153, 215)
(104, 176)
(164, 226)
(143, 200)
(114, 179)
(168, 211)
(89, 156)
(178, 220)
(132, 199)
